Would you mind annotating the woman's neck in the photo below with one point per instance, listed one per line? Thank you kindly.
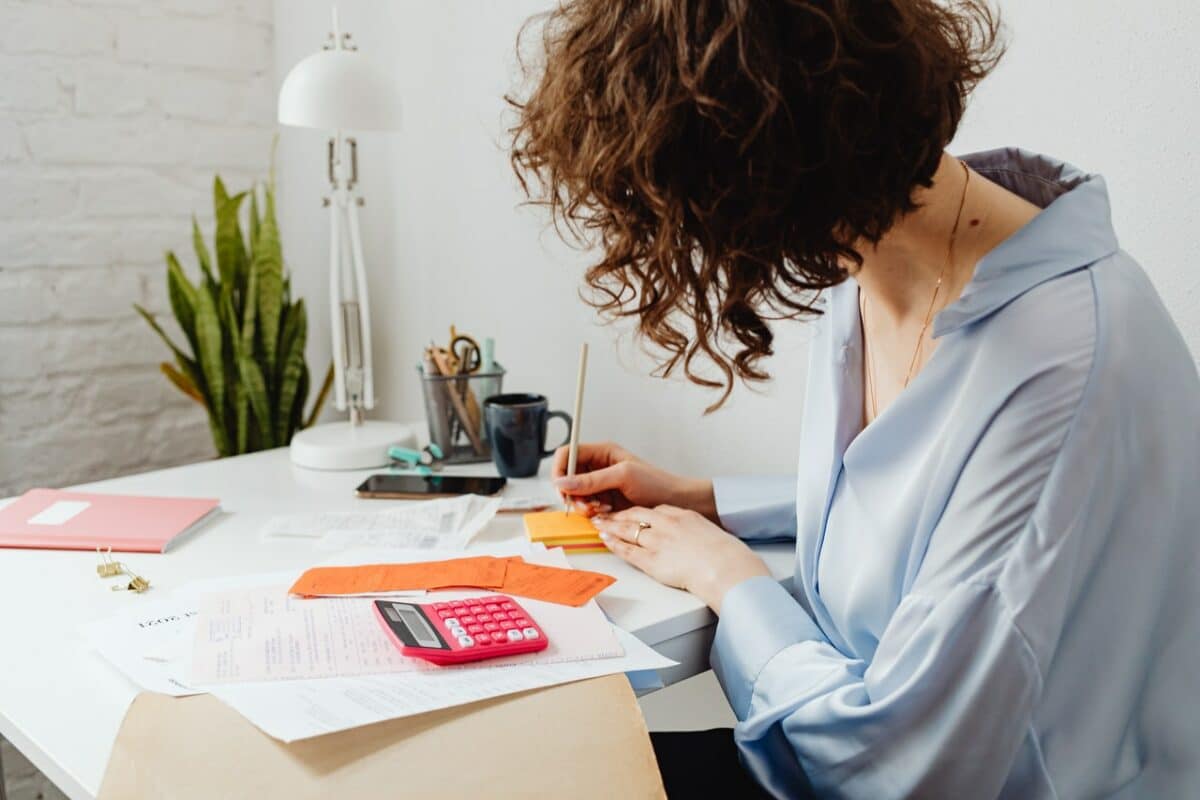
(900, 274)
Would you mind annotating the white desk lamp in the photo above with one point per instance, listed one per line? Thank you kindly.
(338, 89)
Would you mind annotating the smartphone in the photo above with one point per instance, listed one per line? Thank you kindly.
(421, 487)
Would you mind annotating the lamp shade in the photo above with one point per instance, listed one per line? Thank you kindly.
(339, 89)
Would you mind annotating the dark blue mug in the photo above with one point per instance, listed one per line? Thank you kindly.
(516, 427)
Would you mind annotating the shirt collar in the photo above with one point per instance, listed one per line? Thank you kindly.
(1073, 230)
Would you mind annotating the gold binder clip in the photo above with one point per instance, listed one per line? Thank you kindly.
(137, 584)
(108, 568)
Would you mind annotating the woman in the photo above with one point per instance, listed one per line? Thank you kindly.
(996, 515)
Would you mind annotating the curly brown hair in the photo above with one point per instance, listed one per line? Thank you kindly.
(729, 155)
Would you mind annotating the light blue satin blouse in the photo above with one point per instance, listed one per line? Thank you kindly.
(997, 585)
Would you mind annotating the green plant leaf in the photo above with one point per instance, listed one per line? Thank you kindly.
(268, 267)
(220, 195)
(256, 390)
(249, 309)
(201, 249)
(153, 323)
(293, 369)
(220, 439)
(209, 346)
(191, 372)
(255, 219)
(230, 249)
(182, 382)
(240, 434)
(182, 295)
(296, 419)
(241, 410)
(322, 395)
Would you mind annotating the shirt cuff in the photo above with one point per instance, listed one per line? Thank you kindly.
(758, 619)
(757, 507)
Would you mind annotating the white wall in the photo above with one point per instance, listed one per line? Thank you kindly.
(447, 243)
(114, 115)
(1113, 87)
(1108, 85)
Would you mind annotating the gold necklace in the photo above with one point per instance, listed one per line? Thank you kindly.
(868, 362)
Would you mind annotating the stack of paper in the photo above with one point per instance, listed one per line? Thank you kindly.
(263, 634)
(569, 531)
(302, 668)
(449, 523)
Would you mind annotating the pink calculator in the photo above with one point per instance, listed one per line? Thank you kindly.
(458, 631)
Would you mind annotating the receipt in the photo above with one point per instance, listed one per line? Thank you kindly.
(449, 523)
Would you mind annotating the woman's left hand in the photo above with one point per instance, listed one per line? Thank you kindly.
(680, 548)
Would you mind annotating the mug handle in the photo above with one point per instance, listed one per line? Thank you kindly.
(565, 417)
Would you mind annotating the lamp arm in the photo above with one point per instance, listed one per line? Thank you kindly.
(364, 308)
(335, 304)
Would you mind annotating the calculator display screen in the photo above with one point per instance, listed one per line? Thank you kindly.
(418, 626)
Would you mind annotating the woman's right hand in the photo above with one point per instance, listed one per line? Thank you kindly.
(610, 478)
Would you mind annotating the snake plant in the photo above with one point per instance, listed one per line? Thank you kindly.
(244, 357)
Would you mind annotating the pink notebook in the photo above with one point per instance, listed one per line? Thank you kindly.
(56, 520)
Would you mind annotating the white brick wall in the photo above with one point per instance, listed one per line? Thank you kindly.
(114, 115)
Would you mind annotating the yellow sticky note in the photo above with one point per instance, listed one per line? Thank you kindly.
(551, 526)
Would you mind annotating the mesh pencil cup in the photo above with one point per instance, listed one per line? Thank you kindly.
(454, 412)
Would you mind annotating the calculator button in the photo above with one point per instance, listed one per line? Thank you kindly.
(521, 622)
(468, 619)
(530, 633)
(466, 641)
(492, 607)
(483, 638)
(491, 626)
(507, 606)
(440, 606)
(498, 637)
(451, 622)
(445, 612)
(515, 636)
(484, 617)
(506, 625)
(474, 629)
(460, 610)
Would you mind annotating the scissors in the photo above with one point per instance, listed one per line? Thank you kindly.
(465, 353)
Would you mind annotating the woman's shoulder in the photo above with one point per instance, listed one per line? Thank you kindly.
(1106, 318)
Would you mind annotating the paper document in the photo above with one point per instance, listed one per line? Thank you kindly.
(447, 523)
(303, 708)
(152, 642)
(264, 634)
(293, 710)
(145, 644)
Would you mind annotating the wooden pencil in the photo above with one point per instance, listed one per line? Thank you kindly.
(577, 417)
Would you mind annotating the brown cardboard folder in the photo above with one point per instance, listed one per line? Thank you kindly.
(578, 740)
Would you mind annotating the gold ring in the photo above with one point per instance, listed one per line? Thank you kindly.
(641, 527)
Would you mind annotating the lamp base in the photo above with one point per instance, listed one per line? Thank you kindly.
(341, 445)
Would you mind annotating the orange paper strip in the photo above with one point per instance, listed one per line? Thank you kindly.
(571, 587)
(484, 572)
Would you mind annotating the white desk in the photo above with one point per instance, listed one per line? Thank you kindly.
(62, 705)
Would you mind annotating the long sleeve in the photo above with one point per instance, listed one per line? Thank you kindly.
(943, 704)
(757, 508)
